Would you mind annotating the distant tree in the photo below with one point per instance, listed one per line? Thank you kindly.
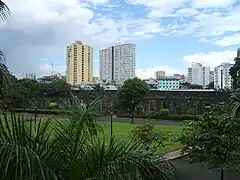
(235, 73)
(195, 86)
(214, 141)
(145, 134)
(131, 94)
(210, 85)
(192, 86)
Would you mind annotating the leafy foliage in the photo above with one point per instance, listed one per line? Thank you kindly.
(235, 73)
(214, 140)
(192, 86)
(5, 82)
(29, 89)
(164, 112)
(71, 149)
(52, 105)
(145, 134)
(132, 92)
(210, 85)
(234, 102)
(4, 11)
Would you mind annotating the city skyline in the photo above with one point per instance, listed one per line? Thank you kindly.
(169, 35)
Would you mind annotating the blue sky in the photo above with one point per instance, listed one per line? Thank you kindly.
(169, 34)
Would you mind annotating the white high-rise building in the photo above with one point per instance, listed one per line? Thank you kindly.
(198, 74)
(222, 78)
(118, 63)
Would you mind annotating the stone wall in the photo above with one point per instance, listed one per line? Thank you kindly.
(184, 102)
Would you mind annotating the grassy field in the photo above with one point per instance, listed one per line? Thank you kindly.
(122, 130)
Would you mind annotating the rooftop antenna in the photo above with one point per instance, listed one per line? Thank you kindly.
(52, 68)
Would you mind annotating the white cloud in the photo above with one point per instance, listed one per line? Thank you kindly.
(42, 28)
(229, 40)
(211, 59)
(208, 18)
(97, 1)
(212, 3)
(149, 72)
(203, 40)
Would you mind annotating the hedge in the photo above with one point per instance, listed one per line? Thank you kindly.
(177, 117)
(44, 111)
(40, 111)
(66, 112)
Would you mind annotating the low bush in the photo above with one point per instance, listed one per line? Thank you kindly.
(40, 111)
(164, 112)
(52, 105)
(177, 117)
(47, 111)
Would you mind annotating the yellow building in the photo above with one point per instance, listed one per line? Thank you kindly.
(79, 63)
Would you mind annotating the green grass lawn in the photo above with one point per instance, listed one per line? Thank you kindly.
(122, 131)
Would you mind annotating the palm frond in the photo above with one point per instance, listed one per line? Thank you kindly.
(24, 149)
(5, 79)
(4, 11)
(124, 160)
(86, 116)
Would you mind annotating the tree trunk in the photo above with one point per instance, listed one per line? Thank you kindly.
(222, 174)
(132, 118)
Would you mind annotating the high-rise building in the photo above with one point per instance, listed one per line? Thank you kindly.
(238, 52)
(222, 78)
(79, 63)
(198, 74)
(118, 63)
(160, 74)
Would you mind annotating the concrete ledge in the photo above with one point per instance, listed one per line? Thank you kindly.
(174, 154)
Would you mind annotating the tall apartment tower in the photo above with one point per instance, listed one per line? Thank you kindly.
(79, 63)
(198, 74)
(222, 78)
(118, 63)
(159, 74)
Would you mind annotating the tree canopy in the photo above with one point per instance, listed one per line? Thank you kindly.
(235, 73)
(132, 93)
(213, 140)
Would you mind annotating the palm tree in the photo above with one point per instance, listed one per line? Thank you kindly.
(73, 149)
(4, 11)
(4, 74)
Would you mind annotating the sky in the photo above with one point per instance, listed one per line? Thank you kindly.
(169, 34)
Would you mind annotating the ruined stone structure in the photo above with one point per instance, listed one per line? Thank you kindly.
(178, 102)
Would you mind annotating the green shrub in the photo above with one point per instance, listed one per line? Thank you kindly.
(168, 117)
(145, 133)
(164, 112)
(53, 105)
(40, 111)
